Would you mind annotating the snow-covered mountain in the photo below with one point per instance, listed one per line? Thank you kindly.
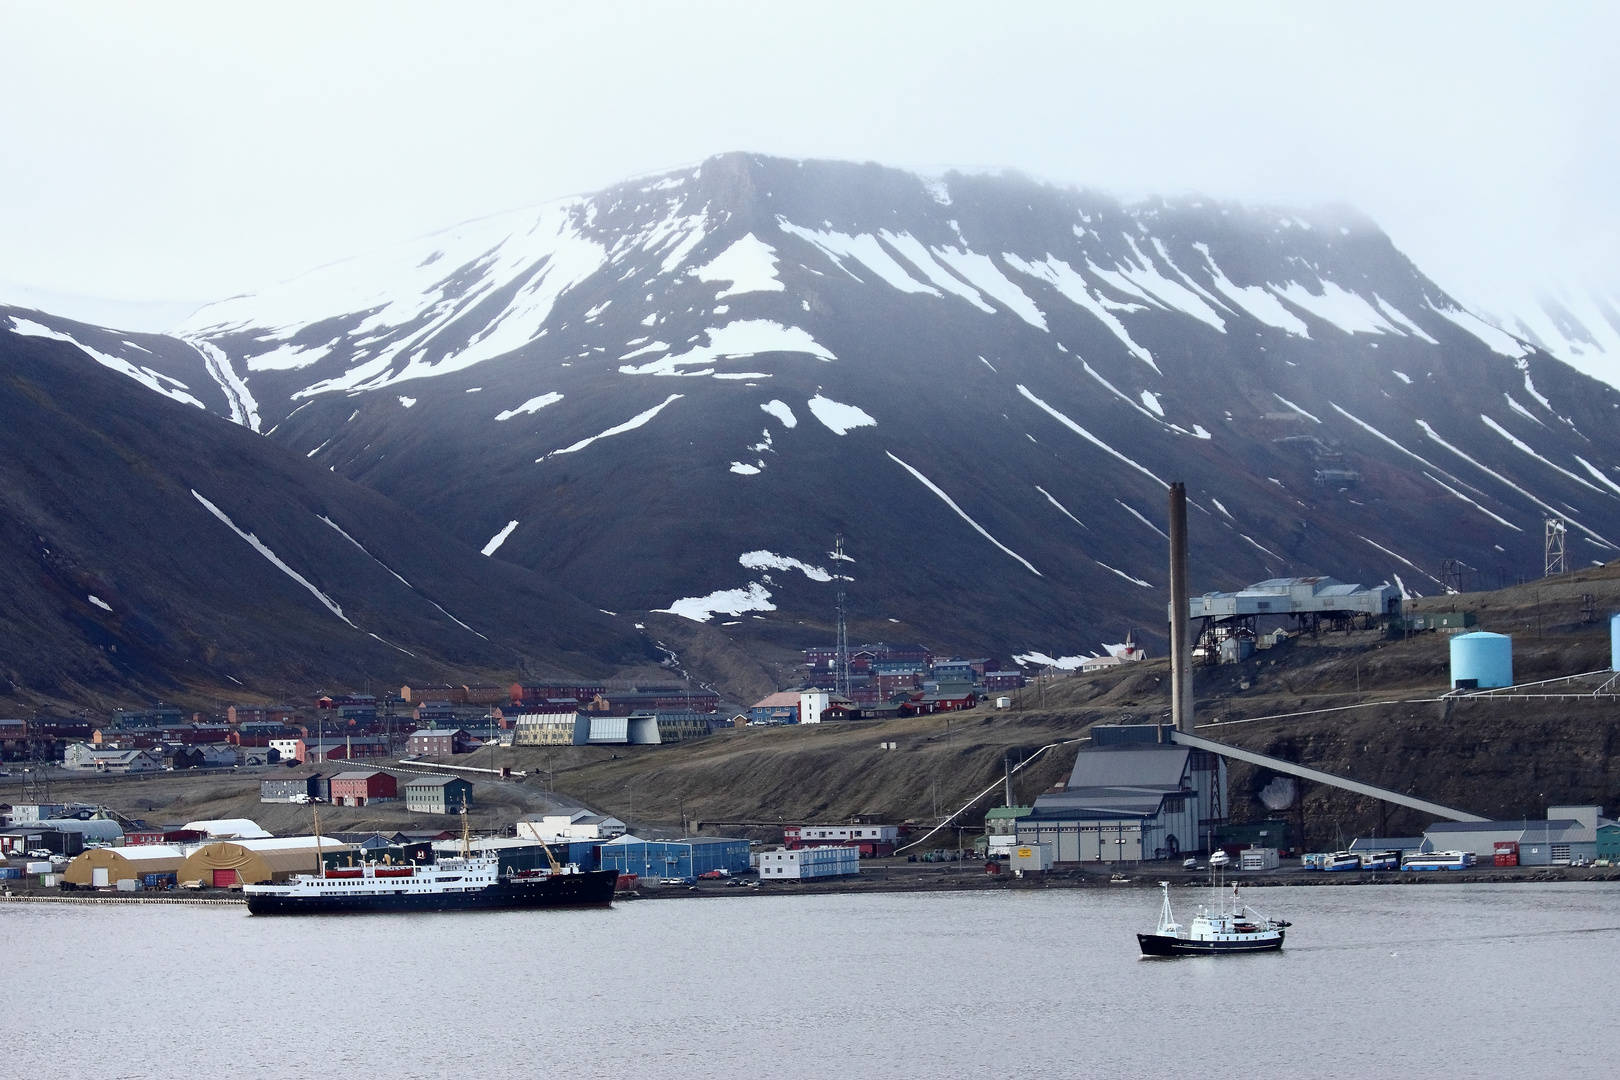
(671, 395)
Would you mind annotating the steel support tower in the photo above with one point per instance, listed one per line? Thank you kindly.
(1556, 561)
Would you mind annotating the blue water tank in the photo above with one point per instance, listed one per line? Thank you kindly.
(1614, 642)
(1481, 659)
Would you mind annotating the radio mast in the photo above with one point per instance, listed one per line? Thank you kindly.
(841, 670)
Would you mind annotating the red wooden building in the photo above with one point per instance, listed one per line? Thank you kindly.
(361, 787)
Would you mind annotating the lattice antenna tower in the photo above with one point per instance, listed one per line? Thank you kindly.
(1556, 560)
(841, 670)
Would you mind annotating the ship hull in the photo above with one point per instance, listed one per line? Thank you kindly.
(1165, 945)
(591, 889)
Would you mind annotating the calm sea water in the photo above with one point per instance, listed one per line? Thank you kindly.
(1432, 980)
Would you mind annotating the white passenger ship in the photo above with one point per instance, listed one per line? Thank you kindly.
(458, 884)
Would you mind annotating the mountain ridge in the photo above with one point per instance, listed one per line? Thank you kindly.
(683, 387)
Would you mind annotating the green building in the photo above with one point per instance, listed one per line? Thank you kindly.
(438, 795)
(1608, 843)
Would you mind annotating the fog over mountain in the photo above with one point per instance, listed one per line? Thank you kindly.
(673, 394)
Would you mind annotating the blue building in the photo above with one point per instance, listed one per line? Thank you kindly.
(675, 860)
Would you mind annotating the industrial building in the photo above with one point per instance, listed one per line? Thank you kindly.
(105, 867)
(802, 864)
(1570, 834)
(362, 787)
(1302, 598)
(226, 863)
(298, 789)
(438, 795)
(85, 757)
(1132, 795)
(675, 860)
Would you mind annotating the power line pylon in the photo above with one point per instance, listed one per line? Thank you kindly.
(1556, 558)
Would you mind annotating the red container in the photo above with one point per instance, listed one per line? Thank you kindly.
(627, 881)
(1507, 853)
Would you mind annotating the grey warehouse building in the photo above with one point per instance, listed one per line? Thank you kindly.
(1133, 795)
(1568, 835)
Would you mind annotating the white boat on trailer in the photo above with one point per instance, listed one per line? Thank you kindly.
(1229, 928)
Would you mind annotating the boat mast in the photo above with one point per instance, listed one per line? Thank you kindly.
(320, 857)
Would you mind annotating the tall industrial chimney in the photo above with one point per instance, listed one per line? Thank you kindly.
(1181, 700)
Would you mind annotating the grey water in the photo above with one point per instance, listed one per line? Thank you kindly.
(1419, 980)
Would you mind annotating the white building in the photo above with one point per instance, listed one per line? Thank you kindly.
(805, 863)
(812, 703)
(572, 825)
(230, 829)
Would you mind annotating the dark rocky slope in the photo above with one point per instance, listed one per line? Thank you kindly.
(118, 583)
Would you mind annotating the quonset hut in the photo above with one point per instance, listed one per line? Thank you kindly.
(1133, 795)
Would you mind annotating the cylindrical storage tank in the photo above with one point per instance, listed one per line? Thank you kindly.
(1614, 642)
(1481, 659)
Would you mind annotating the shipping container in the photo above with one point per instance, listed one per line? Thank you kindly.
(10, 873)
(158, 881)
(1507, 853)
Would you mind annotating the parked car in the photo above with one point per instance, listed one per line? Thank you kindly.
(39, 853)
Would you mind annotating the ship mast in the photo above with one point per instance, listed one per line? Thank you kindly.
(320, 857)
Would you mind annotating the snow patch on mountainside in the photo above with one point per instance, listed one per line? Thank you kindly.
(766, 560)
(414, 301)
(837, 416)
(780, 410)
(152, 380)
(749, 265)
(499, 538)
(1338, 306)
(734, 341)
(1259, 303)
(863, 248)
(1499, 341)
(1071, 285)
(950, 502)
(274, 559)
(982, 273)
(755, 597)
(1086, 435)
(916, 253)
(619, 429)
(533, 405)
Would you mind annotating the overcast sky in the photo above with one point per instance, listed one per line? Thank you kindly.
(187, 153)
